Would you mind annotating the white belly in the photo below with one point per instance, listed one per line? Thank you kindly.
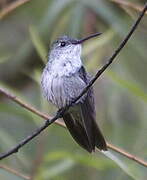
(53, 90)
(61, 90)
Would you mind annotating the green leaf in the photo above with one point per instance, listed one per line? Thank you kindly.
(57, 169)
(38, 43)
(4, 58)
(84, 159)
(128, 166)
(130, 86)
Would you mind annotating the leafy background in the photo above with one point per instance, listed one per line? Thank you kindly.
(120, 93)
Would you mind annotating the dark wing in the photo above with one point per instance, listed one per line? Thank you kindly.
(76, 129)
(80, 120)
(88, 109)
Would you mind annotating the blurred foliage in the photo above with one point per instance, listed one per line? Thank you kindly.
(121, 92)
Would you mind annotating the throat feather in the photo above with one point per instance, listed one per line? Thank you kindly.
(65, 68)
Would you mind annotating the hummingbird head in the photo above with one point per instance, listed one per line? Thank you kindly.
(64, 47)
(65, 53)
(67, 46)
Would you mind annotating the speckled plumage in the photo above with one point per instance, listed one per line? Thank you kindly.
(63, 79)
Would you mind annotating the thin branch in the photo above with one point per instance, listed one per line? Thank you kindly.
(13, 171)
(11, 7)
(61, 112)
(31, 109)
(26, 106)
(116, 52)
(126, 154)
(128, 4)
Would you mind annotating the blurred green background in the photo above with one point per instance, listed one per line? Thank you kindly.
(120, 93)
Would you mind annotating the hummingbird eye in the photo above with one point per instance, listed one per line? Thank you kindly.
(63, 43)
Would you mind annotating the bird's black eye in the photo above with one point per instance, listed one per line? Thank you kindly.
(63, 44)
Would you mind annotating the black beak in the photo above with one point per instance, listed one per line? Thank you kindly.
(85, 39)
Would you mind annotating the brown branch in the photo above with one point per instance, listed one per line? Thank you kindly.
(31, 109)
(11, 7)
(61, 112)
(128, 4)
(26, 106)
(42, 115)
(126, 154)
(13, 171)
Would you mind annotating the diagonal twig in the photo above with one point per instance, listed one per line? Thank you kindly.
(128, 4)
(11, 7)
(25, 105)
(31, 109)
(13, 171)
(126, 154)
(60, 113)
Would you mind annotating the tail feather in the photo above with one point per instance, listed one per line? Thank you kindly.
(100, 142)
(77, 132)
(83, 128)
(91, 126)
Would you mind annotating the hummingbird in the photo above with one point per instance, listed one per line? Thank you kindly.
(63, 79)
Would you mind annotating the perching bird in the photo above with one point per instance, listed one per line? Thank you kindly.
(63, 79)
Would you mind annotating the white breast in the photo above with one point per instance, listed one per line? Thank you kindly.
(60, 66)
(61, 90)
(53, 89)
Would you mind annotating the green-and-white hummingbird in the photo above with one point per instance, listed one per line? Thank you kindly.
(63, 79)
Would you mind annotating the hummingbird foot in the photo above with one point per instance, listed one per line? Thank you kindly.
(60, 112)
